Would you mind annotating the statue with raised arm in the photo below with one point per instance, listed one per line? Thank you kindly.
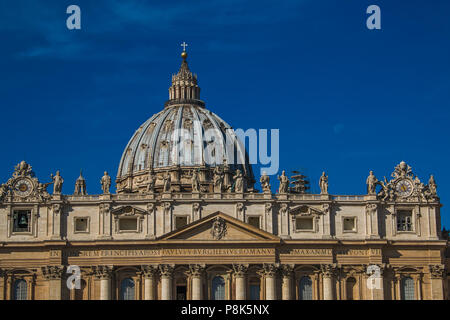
(284, 182)
(195, 182)
(323, 183)
(167, 181)
(371, 182)
(57, 183)
(106, 183)
(265, 182)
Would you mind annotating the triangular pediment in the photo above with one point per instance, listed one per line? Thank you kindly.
(219, 227)
(305, 210)
(128, 211)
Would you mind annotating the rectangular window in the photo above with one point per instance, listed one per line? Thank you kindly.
(128, 224)
(180, 222)
(404, 220)
(254, 221)
(22, 221)
(349, 224)
(304, 224)
(81, 225)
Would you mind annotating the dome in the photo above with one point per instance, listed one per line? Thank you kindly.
(183, 137)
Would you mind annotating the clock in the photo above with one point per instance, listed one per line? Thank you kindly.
(404, 187)
(23, 187)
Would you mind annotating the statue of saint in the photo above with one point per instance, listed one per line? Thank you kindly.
(57, 183)
(323, 183)
(265, 182)
(238, 181)
(432, 185)
(151, 183)
(106, 183)
(371, 182)
(284, 182)
(3, 191)
(195, 182)
(218, 179)
(167, 182)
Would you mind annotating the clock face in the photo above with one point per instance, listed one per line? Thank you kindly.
(23, 187)
(404, 187)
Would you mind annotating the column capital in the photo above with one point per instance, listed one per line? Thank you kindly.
(240, 269)
(286, 270)
(437, 271)
(269, 269)
(52, 272)
(166, 270)
(196, 270)
(374, 267)
(149, 271)
(328, 270)
(102, 272)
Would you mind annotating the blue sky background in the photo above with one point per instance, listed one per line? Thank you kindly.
(346, 99)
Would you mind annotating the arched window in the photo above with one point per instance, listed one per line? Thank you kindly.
(407, 288)
(218, 288)
(255, 289)
(20, 290)
(305, 288)
(351, 288)
(127, 289)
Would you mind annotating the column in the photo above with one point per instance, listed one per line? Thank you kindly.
(2, 284)
(240, 271)
(286, 272)
(437, 281)
(166, 271)
(328, 271)
(375, 281)
(53, 274)
(150, 273)
(270, 271)
(104, 274)
(196, 272)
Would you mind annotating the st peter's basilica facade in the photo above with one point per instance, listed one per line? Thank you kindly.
(193, 229)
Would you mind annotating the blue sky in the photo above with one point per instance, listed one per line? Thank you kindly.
(346, 99)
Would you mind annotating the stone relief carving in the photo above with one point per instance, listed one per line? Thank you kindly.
(437, 271)
(405, 187)
(151, 182)
(219, 228)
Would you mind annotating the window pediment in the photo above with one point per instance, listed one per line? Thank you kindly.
(304, 210)
(128, 211)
